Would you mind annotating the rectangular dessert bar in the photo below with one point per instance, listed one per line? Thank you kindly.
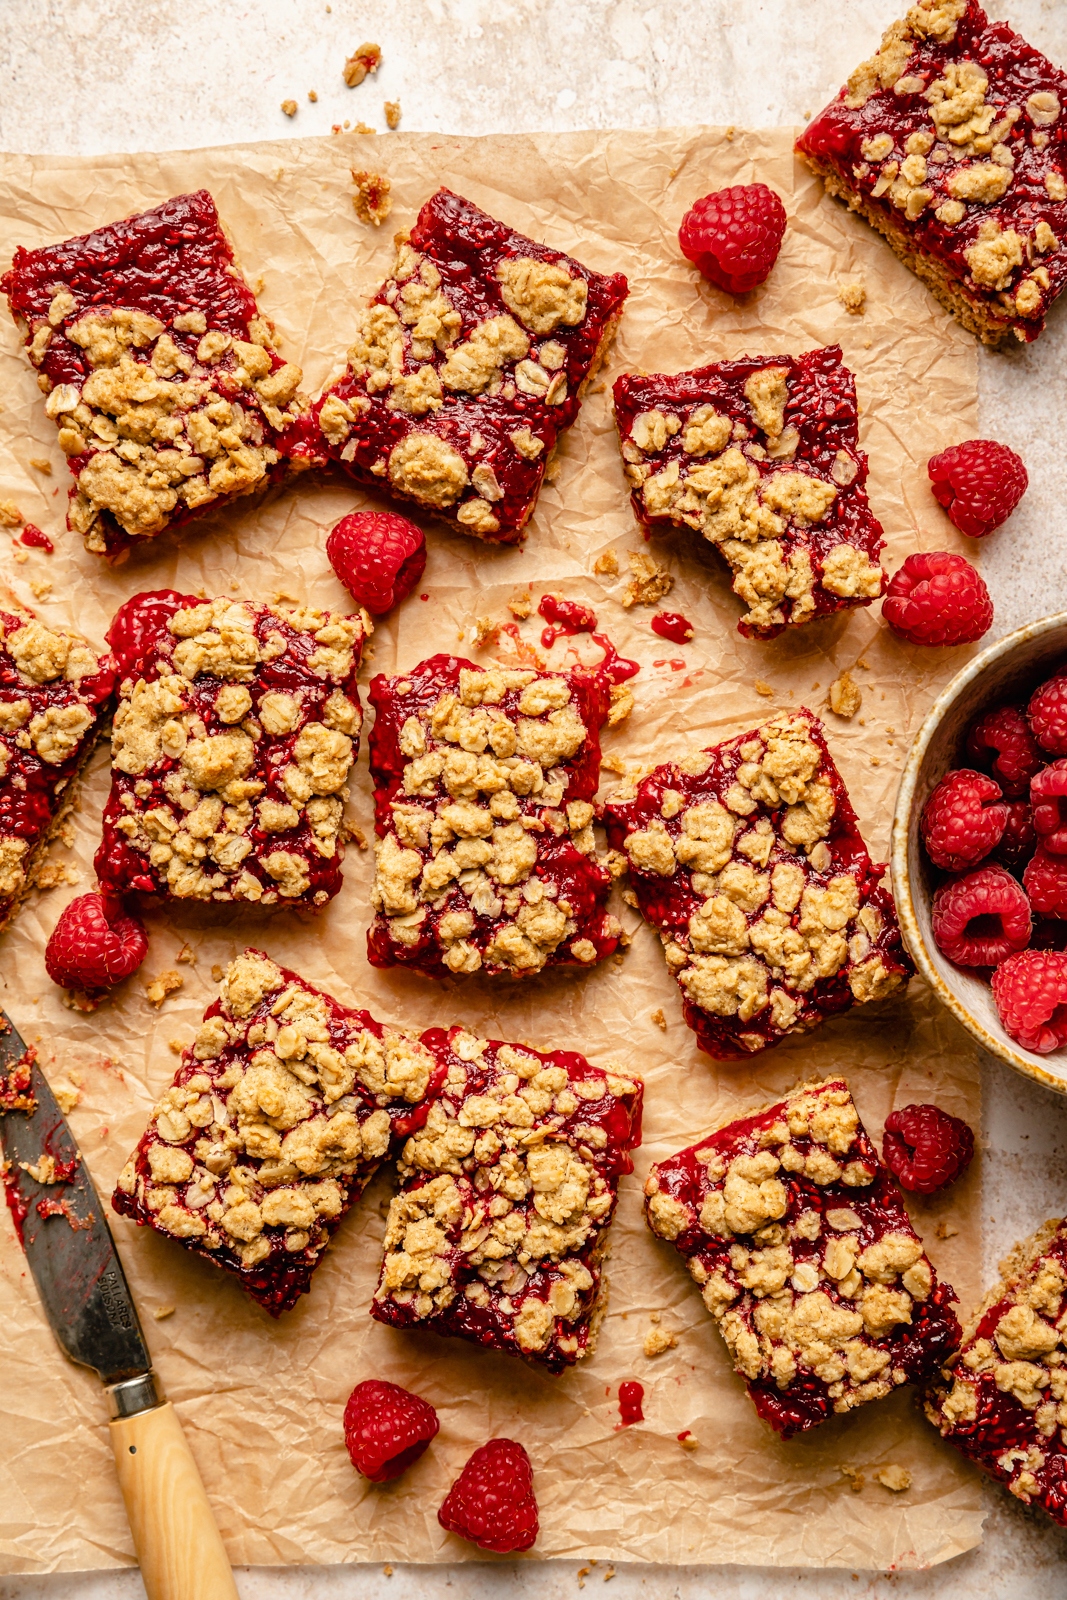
(484, 785)
(802, 1247)
(282, 1110)
(1002, 1398)
(747, 858)
(159, 371)
(466, 367)
(54, 687)
(952, 142)
(761, 456)
(499, 1231)
(235, 730)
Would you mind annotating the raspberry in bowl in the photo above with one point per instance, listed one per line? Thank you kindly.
(985, 786)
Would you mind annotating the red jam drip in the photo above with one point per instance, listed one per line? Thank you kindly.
(566, 617)
(676, 664)
(631, 1394)
(615, 667)
(137, 623)
(33, 536)
(17, 1203)
(673, 626)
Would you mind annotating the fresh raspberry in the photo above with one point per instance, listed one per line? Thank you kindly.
(1045, 882)
(95, 944)
(1047, 715)
(1030, 991)
(1018, 839)
(980, 919)
(979, 483)
(1007, 732)
(925, 1148)
(386, 1428)
(734, 235)
(492, 1501)
(960, 825)
(378, 556)
(1047, 792)
(937, 598)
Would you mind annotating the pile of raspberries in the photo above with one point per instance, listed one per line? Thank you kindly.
(998, 828)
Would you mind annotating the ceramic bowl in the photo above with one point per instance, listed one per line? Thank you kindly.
(1009, 670)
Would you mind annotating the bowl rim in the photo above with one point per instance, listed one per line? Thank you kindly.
(898, 855)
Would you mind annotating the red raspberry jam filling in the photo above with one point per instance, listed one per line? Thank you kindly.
(484, 785)
(1002, 1399)
(282, 1110)
(761, 456)
(467, 365)
(160, 373)
(951, 142)
(747, 859)
(53, 688)
(235, 731)
(499, 1229)
(805, 1257)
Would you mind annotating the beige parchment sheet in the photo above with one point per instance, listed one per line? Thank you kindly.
(262, 1401)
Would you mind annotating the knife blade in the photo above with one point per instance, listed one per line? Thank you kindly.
(63, 1230)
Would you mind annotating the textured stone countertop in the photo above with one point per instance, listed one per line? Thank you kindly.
(86, 76)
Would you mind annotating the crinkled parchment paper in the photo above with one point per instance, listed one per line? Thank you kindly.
(262, 1401)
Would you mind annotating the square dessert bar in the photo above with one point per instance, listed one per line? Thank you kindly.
(54, 687)
(1002, 1399)
(483, 785)
(805, 1257)
(159, 371)
(466, 367)
(952, 142)
(282, 1110)
(761, 457)
(235, 731)
(499, 1231)
(748, 860)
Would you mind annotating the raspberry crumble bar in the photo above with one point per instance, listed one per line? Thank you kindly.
(466, 367)
(748, 860)
(236, 727)
(159, 371)
(761, 456)
(484, 782)
(282, 1110)
(1002, 1399)
(802, 1247)
(952, 142)
(499, 1231)
(54, 687)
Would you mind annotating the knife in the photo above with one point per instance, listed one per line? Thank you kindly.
(63, 1231)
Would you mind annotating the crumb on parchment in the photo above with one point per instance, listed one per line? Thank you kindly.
(893, 1477)
(853, 296)
(845, 695)
(372, 201)
(392, 114)
(289, 107)
(159, 988)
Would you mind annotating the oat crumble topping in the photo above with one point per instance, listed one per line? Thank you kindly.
(800, 1242)
(484, 785)
(499, 1231)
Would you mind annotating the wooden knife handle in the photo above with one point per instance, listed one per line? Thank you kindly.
(177, 1541)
